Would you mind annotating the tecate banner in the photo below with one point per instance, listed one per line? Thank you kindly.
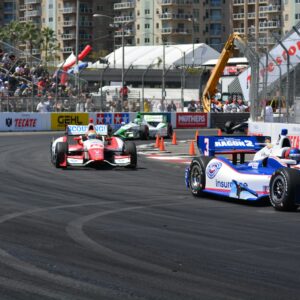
(191, 120)
(24, 121)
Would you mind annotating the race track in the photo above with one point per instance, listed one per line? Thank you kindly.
(133, 234)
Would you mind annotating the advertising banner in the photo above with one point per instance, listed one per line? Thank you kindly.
(191, 120)
(277, 63)
(60, 120)
(24, 121)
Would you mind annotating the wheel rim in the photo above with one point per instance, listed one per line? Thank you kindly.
(278, 188)
(196, 175)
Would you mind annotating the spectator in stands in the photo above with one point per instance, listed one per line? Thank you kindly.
(192, 107)
(146, 105)
(80, 105)
(267, 112)
(171, 107)
(42, 107)
(66, 106)
(234, 106)
(89, 105)
(124, 92)
(241, 106)
(226, 106)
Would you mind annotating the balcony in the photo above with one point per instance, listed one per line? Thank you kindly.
(123, 19)
(171, 30)
(240, 30)
(67, 50)
(127, 33)
(86, 10)
(240, 16)
(266, 41)
(270, 9)
(33, 13)
(22, 7)
(69, 23)
(32, 2)
(269, 25)
(171, 16)
(68, 10)
(69, 36)
(124, 5)
(238, 2)
(176, 2)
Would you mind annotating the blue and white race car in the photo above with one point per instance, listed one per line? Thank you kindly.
(273, 173)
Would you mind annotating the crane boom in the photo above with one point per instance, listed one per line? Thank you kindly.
(211, 86)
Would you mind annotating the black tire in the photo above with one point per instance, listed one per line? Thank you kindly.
(144, 132)
(197, 174)
(284, 190)
(228, 127)
(61, 150)
(130, 148)
(170, 130)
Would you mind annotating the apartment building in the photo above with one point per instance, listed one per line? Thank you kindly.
(259, 20)
(150, 22)
(290, 14)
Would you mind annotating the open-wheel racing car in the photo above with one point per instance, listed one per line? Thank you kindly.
(91, 146)
(273, 173)
(145, 127)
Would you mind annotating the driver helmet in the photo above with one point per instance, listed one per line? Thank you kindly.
(294, 154)
(137, 118)
(92, 135)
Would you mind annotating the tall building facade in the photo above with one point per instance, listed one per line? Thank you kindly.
(153, 22)
(259, 20)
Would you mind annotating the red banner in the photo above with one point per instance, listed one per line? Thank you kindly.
(191, 120)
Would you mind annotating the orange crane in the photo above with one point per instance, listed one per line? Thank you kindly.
(211, 86)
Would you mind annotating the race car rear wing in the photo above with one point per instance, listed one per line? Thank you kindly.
(212, 145)
(83, 129)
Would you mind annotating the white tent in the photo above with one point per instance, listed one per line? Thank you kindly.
(142, 57)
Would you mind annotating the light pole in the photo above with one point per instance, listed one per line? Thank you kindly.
(77, 46)
(193, 33)
(113, 26)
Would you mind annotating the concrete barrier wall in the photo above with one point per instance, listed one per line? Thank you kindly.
(58, 121)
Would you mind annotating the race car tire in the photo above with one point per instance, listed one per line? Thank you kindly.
(61, 150)
(130, 148)
(197, 174)
(144, 132)
(284, 189)
(228, 127)
(170, 130)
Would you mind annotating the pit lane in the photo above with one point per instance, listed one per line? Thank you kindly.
(124, 234)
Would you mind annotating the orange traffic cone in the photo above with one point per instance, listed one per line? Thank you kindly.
(196, 135)
(162, 144)
(157, 143)
(192, 149)
(219, 132)
(174, 141)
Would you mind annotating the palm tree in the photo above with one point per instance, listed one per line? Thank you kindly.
(32, 36)
(48, 43)
(11, 33)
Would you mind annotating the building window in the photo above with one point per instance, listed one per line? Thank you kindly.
(297, 16)
(157, 40)
(286, 17)
(138, 13)
(157, 25)
(297, 1)
(138, 26)
(50, 20)
(147, 26)
(147, 11)
(137, 40)
(147, 40)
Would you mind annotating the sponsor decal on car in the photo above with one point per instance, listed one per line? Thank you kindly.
(212, 169)
(234, 142)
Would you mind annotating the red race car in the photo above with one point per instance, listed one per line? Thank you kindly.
(91, 145)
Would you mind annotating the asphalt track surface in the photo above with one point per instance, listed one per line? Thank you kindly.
(124, 234)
